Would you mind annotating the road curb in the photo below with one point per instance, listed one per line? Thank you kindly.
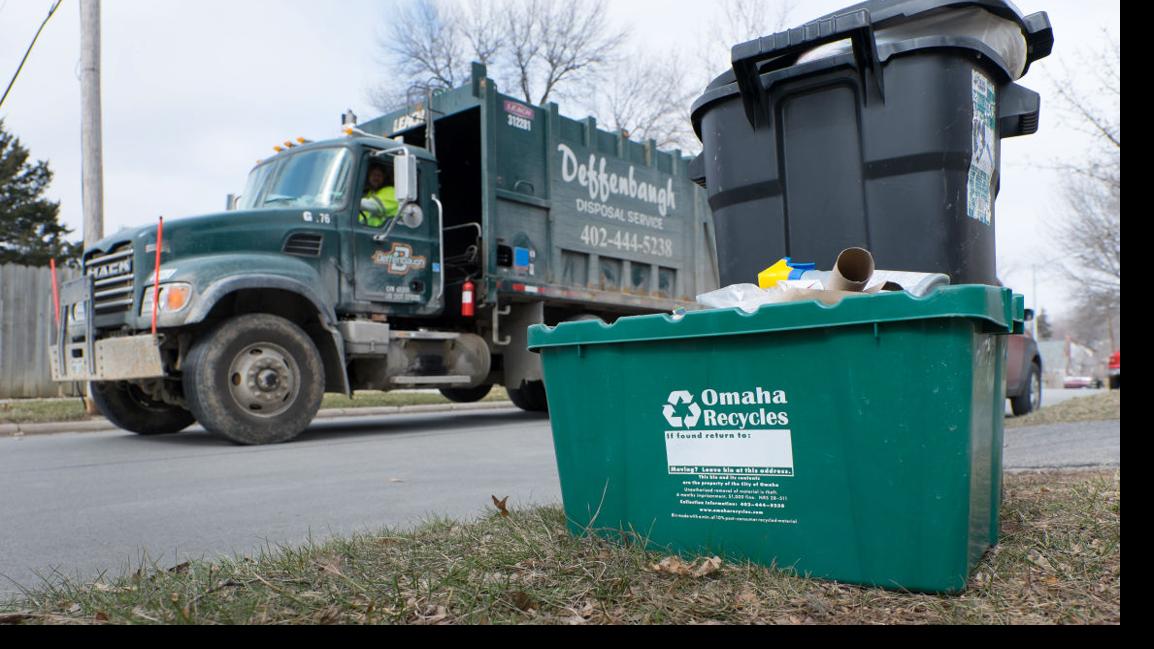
(102, 425)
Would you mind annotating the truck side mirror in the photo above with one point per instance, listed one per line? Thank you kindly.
(405, 177)
(1029, 315)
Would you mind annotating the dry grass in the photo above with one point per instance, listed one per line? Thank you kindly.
(1059, 562)
(1099, 407)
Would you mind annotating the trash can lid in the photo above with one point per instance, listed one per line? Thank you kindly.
(998, 309)
(884, 14)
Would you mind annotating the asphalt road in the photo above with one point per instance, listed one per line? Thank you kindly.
(85, 503)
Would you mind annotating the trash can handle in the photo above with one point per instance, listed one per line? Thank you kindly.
(778, 48)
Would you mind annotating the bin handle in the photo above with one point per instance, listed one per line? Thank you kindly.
(857, 26)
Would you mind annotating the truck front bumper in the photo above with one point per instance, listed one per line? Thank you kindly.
(112, 359)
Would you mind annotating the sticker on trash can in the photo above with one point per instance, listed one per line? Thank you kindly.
(747, 452)
(979, 194)
(728, 451)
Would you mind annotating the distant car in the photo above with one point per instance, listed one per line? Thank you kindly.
(1080, 382)
(1023, 373)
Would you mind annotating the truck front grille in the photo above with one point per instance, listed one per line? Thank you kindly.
(112, 280)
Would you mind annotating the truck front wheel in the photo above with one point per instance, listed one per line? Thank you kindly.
(254, 379)
(127, 407)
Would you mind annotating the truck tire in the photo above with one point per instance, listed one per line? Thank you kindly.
(255, 379)
(466, 395)
(1031, 398)
(530, 397)
(128, 408)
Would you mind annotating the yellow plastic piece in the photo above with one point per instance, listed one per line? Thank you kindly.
(769, 277)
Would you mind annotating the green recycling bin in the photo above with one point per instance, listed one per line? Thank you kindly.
(860, 442)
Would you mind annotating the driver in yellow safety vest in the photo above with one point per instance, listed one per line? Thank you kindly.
(381, 191)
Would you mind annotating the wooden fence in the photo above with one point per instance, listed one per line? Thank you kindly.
(26, 322)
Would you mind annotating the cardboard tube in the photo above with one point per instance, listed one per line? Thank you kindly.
(852, 271)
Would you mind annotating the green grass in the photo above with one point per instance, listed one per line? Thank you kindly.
(1098, 407)
(40, 411)
(1058, 562)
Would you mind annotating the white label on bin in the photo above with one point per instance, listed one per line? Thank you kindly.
(730, 452)
(979, 195)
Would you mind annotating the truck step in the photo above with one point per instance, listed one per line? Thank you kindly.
(431, 380)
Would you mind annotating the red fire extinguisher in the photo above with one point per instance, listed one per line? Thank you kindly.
(468, 308)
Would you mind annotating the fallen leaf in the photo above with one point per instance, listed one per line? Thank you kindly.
(432, 615)
(101, 616)
(707, 567)
(1038, 559)
(672, 566)
(747, 599)
(522, 600)
(699, 568)
(500, 505)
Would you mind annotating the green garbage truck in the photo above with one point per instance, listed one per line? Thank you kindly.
(500, 215)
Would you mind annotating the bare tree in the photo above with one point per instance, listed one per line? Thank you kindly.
(1089, 232)
(423, 44)
(738, 22)
(576, 44)
(539, 48)
(649, 99)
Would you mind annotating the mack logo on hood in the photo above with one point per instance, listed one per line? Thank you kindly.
(122, 267)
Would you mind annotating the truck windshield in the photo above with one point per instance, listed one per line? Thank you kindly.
(316, 179)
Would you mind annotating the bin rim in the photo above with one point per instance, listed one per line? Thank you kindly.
(1035, 28)
(1000, 311)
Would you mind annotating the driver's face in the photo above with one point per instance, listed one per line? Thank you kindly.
(376, 179)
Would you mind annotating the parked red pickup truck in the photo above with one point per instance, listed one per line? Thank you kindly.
(1116, 370)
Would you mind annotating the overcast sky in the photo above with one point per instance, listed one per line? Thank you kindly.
(195, 92)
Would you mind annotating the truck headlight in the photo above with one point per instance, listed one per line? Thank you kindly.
(76, 313)
(174, 298)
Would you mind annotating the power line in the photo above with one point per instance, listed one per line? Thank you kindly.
(11, 83)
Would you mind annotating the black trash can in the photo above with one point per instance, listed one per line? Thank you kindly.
(877, 126)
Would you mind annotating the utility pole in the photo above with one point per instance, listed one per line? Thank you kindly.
(91, 140)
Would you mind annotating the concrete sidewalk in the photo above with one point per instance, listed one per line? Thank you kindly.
(101, 424)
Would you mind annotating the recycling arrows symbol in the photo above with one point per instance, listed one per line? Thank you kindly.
(677, 398)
